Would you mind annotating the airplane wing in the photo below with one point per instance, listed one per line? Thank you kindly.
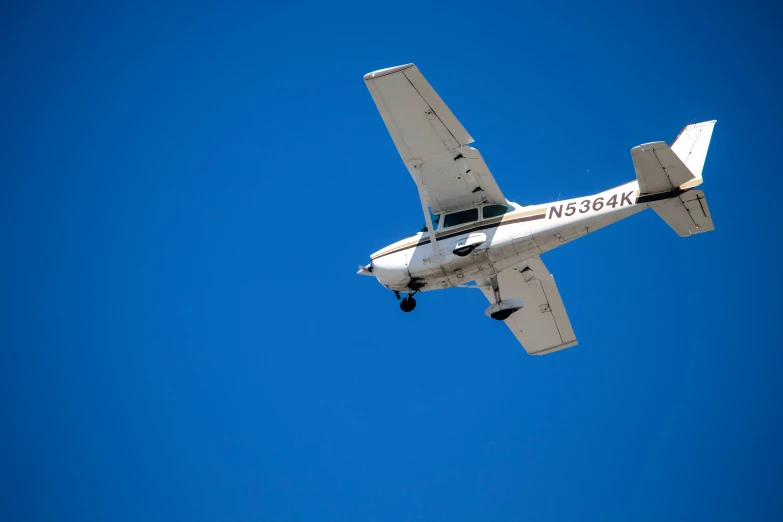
(542, 325)
(433, 144)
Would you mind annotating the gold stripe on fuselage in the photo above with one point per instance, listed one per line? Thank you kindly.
(443, 234)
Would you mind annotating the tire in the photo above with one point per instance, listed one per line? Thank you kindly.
(408, 304)
(502, 315)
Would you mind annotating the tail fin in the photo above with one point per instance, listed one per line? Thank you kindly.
(667, 174)
(691, 147)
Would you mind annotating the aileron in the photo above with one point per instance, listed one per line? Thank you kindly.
(431, 141)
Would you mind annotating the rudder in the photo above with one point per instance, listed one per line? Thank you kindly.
(691, 147)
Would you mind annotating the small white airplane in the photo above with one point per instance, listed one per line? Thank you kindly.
(475, 238)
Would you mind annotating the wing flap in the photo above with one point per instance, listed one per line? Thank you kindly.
(542, 326)
(483, 177)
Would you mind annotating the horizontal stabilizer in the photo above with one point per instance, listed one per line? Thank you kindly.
(658, 169)
(687, 214)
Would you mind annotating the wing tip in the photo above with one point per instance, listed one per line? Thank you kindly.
(389, 70)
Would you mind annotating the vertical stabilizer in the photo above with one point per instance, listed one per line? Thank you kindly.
(691, 147)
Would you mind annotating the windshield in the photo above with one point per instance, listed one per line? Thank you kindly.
(435, 219)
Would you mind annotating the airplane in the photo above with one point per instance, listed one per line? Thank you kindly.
(475, 238)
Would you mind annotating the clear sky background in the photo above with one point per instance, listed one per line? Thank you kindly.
(185, 194)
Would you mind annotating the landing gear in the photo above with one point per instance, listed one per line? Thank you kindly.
(408, 304)
(502, 315)
(501, 310)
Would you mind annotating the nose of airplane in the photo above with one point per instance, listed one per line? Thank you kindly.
(391, 270)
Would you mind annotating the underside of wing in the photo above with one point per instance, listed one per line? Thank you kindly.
(431, 141)
(542, 325)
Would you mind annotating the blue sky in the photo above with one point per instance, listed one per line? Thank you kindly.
(185, 193)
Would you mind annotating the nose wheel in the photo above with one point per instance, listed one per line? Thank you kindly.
(408, 304)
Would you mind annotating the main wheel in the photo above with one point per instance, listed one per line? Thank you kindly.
(408, 304)
(502, 315)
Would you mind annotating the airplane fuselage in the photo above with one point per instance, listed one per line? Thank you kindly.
(473, 234)
(498, 243)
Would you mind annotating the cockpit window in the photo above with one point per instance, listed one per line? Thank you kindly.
(435, 219)
(491, 211)
(461, 217)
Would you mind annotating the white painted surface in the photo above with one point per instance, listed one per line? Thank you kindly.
(542, 325)
(431, 140)
(692, 144)
(658, 169)
(433, 145)
(687, 214)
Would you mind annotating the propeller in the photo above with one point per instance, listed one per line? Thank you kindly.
(365, 270)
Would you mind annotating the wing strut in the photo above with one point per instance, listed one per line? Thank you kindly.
(495, 288)
(426, 210)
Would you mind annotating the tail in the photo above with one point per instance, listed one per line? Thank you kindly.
(691, 147)
(667, 174)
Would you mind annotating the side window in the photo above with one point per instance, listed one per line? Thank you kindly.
(491, 211)
(461, 217)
